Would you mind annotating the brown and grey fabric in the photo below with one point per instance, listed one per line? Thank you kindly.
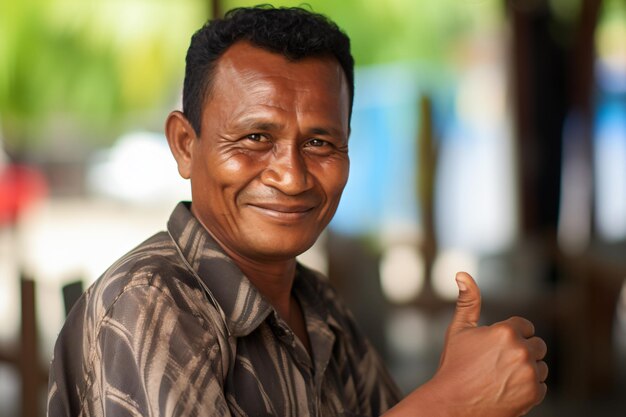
(175, 329)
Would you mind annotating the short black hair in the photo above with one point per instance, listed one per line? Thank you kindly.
(294, 32)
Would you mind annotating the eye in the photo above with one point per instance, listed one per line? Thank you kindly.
(257, 137)
(316, 143)
(321, 147)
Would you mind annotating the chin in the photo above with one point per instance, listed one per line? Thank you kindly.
(281, 249)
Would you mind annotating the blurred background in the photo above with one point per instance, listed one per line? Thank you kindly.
(487, 136)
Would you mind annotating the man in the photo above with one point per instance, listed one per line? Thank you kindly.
(215, 317)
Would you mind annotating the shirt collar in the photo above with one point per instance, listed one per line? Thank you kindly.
(242, 305)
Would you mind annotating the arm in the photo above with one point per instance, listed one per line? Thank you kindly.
(493, 371)
(156, 359)
(146, 356)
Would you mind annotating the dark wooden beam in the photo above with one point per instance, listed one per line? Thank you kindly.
(215, 6)
(29, 346)
(25, 358)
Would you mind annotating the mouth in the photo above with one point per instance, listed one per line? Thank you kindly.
(283, 212)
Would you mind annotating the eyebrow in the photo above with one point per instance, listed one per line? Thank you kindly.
(259, 124)
(253, 123)
(322, 131)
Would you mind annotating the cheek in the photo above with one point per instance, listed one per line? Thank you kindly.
(233, 165)
(333, 177)
(234, 170)
(217, 179)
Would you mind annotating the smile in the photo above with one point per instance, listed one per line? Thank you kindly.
(283, 212)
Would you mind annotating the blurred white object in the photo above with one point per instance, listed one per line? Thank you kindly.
(402, 273)
(448, 263)
(140, 169)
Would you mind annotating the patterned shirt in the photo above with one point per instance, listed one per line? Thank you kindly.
(174, 328)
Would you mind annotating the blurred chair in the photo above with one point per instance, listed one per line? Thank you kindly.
(34, 377)
(588, 307)
(71, 294)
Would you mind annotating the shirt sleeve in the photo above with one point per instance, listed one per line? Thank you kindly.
(148, 357)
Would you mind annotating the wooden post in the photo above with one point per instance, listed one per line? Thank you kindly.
(427, 165)
(216, 9)
(28, 361)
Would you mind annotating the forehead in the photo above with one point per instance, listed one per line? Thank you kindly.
(244, 65)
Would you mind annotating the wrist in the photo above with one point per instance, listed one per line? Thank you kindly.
(425, 401)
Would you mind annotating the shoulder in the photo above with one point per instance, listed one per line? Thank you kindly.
(144, 324)
(154, 267)
(151, 283)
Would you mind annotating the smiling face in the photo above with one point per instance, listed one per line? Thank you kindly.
(271, 162)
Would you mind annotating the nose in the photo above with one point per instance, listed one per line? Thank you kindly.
(287, 171)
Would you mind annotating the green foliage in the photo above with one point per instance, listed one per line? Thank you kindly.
(93, 67)
(87, 67)
(401, 30)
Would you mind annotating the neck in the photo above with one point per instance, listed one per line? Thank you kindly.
(273, 278)
(275, 281)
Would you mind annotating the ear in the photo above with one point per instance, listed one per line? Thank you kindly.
(181, 137)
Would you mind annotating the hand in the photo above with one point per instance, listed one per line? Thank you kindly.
(493, 371)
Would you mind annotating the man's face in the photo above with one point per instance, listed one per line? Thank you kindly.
(271, 162)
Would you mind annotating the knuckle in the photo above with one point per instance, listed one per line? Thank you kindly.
(523, 354)
(539, 347)
(528, 372)
(506, 333)
(526, 324)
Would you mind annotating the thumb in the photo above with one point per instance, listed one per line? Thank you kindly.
(467, 311)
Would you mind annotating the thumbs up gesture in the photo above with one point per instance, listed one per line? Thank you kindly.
(486, 371)
(495, 370)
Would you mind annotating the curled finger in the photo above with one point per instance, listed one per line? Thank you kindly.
(523, 327)
(542, 371)
(537, 347)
